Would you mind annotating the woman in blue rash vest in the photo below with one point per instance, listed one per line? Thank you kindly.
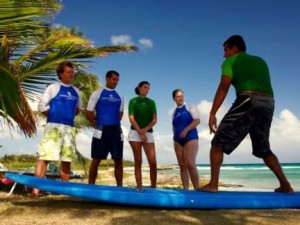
(185, 120)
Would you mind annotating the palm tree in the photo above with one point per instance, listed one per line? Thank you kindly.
(29, 53)
(19, 27)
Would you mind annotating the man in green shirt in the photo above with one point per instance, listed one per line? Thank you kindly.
(251, 113)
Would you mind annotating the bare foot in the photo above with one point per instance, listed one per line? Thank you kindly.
(287, 190)
(35, 193)
(208, 188)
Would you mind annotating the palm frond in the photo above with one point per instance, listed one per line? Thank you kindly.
(21, 20)
(14, 105)
(59, 38)
(106, 50)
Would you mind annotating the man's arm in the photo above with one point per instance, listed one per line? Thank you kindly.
(43, 105)
(121, 115)
(78, 110)
(220, 95)
(91, 117)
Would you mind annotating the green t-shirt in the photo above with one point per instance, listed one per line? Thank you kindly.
(143, 110)
(248, 73)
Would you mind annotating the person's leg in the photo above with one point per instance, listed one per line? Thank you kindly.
(272, 162)
(260, 134)
(52, 137)
(40, 171)
(119, 172)
(68, 152)
(151, 157)
(216, 160)
(184, 173)
(137, 155)
(65, 170)
(93, 172)
(190, 151)
(232, 130)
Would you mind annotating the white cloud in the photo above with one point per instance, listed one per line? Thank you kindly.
(12, 134)
(122, 39)
(146, 43)
(284, 136)
(8, 132)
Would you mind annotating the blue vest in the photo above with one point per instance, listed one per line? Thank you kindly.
(108, 108)
(63, 106)
(182, 118)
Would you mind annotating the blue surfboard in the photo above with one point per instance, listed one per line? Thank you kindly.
(163, 198)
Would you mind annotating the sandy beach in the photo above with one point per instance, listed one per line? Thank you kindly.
(164, 180)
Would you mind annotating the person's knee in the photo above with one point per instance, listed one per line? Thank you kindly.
(221, 149)
(262, 153)
(190, 164)
(138, 162)
(118, 163)
(152, 163)
(182, 165)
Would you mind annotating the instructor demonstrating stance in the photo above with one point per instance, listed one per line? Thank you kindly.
(251, 113)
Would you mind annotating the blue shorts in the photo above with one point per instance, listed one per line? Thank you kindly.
(250, 114)
(107, 139)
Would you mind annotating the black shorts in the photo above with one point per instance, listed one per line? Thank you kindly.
(183, 142)
(108, 140)
(249, 114)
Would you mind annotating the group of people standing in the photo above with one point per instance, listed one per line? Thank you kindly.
(251, 113)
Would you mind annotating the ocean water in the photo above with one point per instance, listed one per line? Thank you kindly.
(255, 177)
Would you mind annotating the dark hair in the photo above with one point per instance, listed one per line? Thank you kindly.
(61, 67)
(237, 41)
(175, 92)
(136, 90)
(110, 73)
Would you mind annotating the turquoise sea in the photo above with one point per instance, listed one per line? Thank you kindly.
(256, 177)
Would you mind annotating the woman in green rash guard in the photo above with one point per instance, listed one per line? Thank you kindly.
(143, 116)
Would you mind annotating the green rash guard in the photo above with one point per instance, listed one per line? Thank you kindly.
(248, 73)
(143, 110)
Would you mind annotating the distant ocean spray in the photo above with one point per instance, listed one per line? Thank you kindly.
(256, 177)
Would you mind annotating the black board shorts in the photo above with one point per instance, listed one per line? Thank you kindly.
(250, 114)
(109, 139)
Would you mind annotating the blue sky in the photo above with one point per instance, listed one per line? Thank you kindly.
(180, 44)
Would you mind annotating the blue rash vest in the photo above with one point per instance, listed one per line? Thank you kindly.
(108, 104)
(63, 106)
(182, 117)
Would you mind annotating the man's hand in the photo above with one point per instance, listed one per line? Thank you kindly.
(212, 124)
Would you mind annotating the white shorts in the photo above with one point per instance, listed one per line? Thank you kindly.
(134, 136)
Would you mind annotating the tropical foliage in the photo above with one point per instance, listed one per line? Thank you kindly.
(30, 50)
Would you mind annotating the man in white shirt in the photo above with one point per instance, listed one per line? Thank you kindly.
(60, 103)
